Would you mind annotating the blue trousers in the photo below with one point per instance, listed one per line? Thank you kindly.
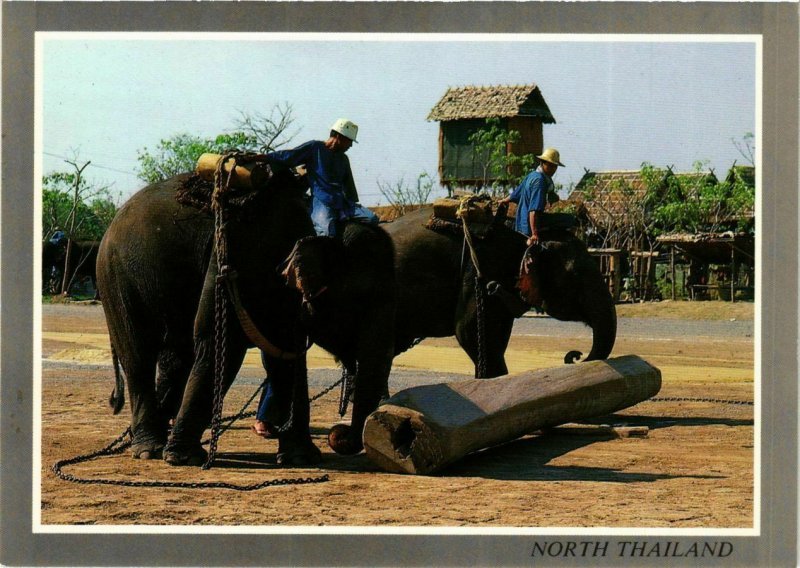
(325, 217)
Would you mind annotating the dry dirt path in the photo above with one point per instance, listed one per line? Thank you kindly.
(694, 469)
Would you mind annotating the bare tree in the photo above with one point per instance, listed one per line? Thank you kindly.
(70, 203)
(252, 132)
(746, 147)
(400, 195)
(271, 131)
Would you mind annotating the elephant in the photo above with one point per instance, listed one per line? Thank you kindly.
(437, 294)
(349, 296)
(157, 269)
(83, 257)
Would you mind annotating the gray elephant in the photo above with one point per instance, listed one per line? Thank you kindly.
(157, 271)
(437, 293)
(349, 297)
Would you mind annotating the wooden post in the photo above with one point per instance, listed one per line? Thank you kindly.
(422, 429)
(672, 268)
(733, 274)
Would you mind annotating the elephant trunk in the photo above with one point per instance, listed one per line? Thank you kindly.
(604, 331)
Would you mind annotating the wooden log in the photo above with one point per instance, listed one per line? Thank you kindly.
(251, 175)
(422, 429)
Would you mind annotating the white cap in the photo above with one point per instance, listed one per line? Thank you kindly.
(345, 128)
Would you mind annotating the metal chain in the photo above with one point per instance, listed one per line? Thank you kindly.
(220, 353)
(348, 384)
(690, 399)
(113, 449)
(462, 212)
(481, 325)
(220, 300)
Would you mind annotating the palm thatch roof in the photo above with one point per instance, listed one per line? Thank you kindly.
(498, 101)
(744, 174)
(713, 248)
(606, 197)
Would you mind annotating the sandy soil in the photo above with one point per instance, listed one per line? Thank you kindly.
(695, 468)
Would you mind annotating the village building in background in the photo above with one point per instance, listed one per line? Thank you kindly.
(463, 111)
(615, 210)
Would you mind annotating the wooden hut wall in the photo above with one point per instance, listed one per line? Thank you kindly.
(457, 160)
(531, 138)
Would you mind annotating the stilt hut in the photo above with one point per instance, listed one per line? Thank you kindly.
(463, 111)
(721, 265)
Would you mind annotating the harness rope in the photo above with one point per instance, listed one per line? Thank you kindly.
(463, 213)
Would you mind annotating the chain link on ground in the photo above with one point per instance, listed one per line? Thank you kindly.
(120, 444)
(695, 399)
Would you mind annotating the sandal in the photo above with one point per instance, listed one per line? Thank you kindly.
(264, 430)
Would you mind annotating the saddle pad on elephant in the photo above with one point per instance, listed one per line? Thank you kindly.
(197, 192)
(449, 214)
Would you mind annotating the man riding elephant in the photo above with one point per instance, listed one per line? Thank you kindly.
(185, 295)
(333, 191)
(531, 198)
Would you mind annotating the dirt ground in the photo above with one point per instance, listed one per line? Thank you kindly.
(695, 467)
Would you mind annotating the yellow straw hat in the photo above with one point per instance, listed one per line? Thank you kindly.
(551, 155)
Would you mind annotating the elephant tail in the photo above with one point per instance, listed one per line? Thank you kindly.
(117, 399)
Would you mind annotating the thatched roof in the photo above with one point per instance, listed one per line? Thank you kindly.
(498, 101)
(745, 174)
(610, 204)
(615, 192)
(713, 248)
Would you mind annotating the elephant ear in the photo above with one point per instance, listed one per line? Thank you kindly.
(530, 282)
(308, 268)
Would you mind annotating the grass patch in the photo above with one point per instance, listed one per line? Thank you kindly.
(684, 309)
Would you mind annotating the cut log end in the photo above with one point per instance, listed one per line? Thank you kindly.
(401, 441)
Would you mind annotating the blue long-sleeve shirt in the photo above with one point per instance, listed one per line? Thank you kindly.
(329, 173)
(530, 195)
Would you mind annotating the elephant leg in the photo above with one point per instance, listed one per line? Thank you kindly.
(197, 406)
(496, 332)
(374, 354)
(371, 386)
(174, 366)
(287, 408)
(149, 425)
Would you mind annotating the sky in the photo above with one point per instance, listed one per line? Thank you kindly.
(618, 101)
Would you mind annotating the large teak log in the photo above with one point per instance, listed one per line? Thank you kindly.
(422, 429)
(251, 175)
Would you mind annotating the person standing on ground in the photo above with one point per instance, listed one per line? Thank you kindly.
(333, 192)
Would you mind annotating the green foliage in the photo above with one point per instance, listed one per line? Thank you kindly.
(632, 216)
(93, 209)
(179, 153)
(501, 169)
(697, 202)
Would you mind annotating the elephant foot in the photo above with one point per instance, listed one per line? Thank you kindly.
(146, 447)
(294, 452)
(185, 455)
(155, 454)
(342, 441)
